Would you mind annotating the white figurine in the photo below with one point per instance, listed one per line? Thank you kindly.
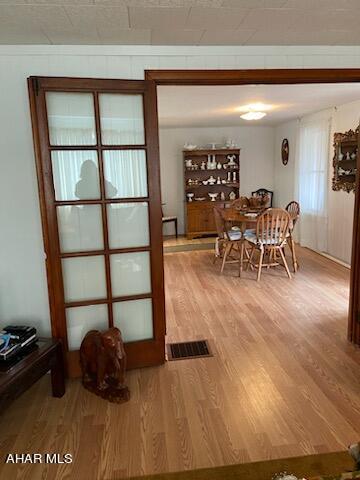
(213, 196)
(234, 177)
(218, 181)
(231, 159)
(203, 166)
(222, 196)
(211, 180)
(232, 196)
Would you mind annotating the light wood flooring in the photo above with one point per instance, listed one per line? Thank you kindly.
(283, 382)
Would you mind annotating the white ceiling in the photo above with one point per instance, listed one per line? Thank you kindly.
(195, 106)
(180, 22)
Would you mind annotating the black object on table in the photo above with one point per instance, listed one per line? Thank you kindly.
(17, 377)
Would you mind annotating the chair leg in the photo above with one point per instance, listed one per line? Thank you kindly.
(226, 252)
(260, 264)
(285, 262)
(176, 229)
(241, 259)
(250, 258)
(293, 254)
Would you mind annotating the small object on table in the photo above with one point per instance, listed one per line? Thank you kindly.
(103, 365)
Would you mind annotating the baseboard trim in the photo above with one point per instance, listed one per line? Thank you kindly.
(330, 257)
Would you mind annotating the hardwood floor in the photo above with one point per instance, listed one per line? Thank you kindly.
(283, 381)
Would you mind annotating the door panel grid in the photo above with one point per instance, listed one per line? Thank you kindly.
(91, 268)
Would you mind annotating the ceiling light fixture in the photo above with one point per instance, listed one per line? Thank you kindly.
(253, 115)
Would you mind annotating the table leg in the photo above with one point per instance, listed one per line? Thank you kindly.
(58, 374)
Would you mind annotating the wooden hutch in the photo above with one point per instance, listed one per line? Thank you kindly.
(211, 178)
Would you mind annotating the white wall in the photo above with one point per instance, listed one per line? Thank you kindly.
(340, 204)
(256, 161)
(23, 292)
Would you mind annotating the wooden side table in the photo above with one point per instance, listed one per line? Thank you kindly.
(18, 378)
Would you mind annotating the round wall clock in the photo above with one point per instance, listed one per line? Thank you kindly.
(285, 151)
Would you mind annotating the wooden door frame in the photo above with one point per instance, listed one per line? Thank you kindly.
(281, 77)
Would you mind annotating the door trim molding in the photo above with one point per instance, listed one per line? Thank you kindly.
(281, 77)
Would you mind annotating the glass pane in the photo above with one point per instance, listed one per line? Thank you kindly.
(84, 278)
(125, 173)
(76, 174)
(122, 119)
(134, 319)
(82, 319)
(128, 225)
(80, 228)
(130, 273)
(71, 118)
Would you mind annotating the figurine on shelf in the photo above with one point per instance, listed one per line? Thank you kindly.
(231, 159)
(234, 177)
(211, 180)
(340, 154)
(188, 163)
(232, 196)
(229, 177)
(353, 156)
(222, 196)
(203, 165)
(213, 196)
(348, 156)
(219, 166)
(189, 146)
(190, 196)
(218, 181)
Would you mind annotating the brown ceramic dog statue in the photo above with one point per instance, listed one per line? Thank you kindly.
(103, 364)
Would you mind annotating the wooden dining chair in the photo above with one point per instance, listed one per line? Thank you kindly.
(264, 193)
(271, 235)
(293, 209)
(170, 219)
(228, 240)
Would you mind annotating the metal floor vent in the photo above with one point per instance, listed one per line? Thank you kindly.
(183, 350)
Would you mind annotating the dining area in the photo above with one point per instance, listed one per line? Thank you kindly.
(255, 236)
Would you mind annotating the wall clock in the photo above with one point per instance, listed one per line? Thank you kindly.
(285, 151)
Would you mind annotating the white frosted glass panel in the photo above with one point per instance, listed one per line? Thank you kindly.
(122, 119)
(134, 319)
(75, 174)
(125, 173)
(80, 228)
(130, 273)
(128, 225)
(71, 118)
(84, 278)
(80, 320)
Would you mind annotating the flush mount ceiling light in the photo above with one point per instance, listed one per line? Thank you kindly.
(253, 115)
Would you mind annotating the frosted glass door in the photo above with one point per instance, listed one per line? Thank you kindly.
(100, 185)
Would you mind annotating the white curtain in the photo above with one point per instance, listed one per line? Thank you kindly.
(312, 168)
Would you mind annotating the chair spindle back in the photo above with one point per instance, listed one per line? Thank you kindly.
(272, 226)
